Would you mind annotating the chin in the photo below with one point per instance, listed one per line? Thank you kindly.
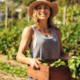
(43, 18)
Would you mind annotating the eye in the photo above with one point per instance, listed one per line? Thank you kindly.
(38, 7)
(46, 7)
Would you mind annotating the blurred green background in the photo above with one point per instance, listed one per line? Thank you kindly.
(15, 19)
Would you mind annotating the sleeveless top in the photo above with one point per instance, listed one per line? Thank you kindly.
(45, 48)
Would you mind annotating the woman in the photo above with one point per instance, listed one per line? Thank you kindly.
(42, 38)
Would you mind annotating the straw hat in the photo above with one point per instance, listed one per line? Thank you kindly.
(52, 5)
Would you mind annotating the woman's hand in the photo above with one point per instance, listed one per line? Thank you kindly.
(34, 63)
(74, 56)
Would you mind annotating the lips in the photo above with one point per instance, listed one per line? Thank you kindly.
(43, 14)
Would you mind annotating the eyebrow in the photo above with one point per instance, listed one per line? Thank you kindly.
(46, 5)
(40, 6)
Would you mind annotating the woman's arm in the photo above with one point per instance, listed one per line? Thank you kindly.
(25, 41)
(63, 55)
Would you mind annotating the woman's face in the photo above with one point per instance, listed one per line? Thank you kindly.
(43, 11)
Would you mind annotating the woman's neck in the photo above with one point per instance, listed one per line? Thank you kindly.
(43, 24)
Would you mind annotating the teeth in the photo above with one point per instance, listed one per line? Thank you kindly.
(43, 14)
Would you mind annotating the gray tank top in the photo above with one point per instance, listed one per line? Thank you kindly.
(47, 48)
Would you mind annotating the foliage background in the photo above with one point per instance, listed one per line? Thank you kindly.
(10, 38)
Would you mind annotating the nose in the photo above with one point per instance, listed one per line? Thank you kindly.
(42, 9)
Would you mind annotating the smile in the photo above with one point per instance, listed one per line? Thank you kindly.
(43, 14)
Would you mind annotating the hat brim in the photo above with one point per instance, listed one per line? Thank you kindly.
(52, 5)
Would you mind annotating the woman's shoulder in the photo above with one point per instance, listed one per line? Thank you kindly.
(58, 32)
(28, 30)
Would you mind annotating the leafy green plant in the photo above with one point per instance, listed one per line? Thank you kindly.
(46, 64)
(72, 14)
(55, 64)
(10, 40)
(71, 39)
(13, 70)
(28, 2)
(58, 63)
(74, 66)
(2, 24)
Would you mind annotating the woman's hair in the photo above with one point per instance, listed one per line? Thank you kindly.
(36, 20)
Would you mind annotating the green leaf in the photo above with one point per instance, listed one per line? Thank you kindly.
(63, 63)
(46, 64)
